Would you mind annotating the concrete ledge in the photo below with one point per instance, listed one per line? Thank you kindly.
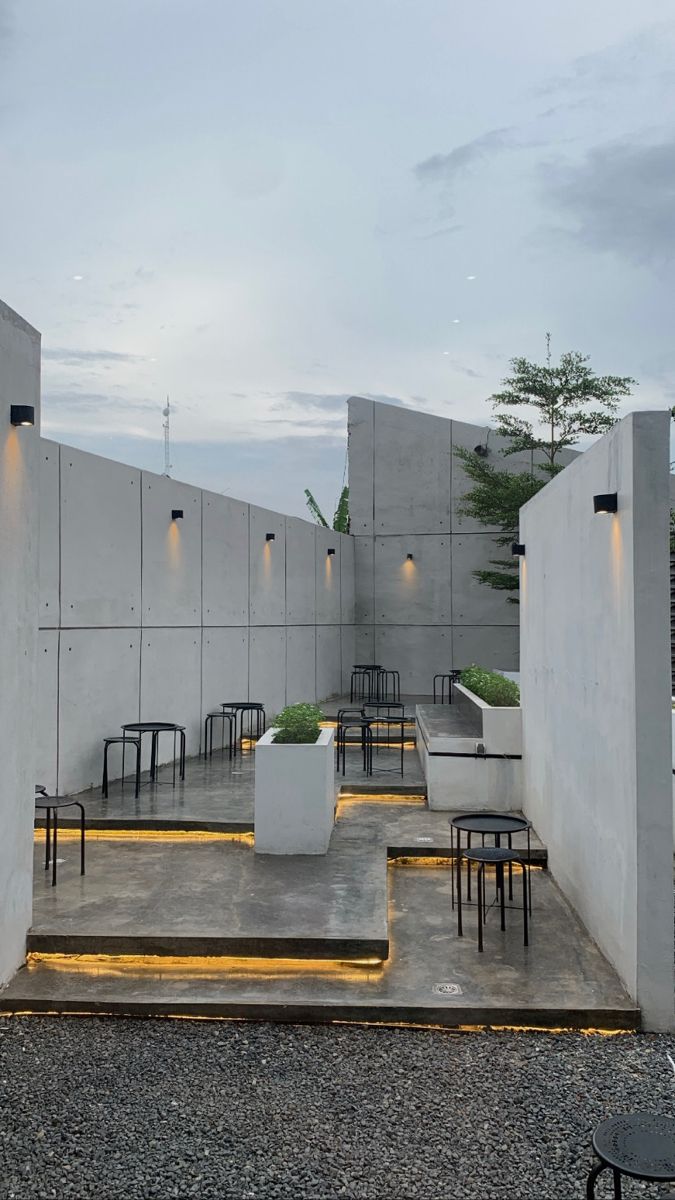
(501, 728)
(458, 776)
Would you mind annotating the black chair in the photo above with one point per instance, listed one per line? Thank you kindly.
(125, 740)
(51, 805)
(223, 716)
(498, 858)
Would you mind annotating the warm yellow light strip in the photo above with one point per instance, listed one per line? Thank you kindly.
(183, 966)
(424, 860)
(70, 834)
(456, 1029)
(350, 798)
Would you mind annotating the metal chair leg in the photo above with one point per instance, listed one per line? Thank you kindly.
(54, 837)
(480, 884)
(590, 1181)
(81, 808)
(47, 840)
(104, 782)
(138, 768)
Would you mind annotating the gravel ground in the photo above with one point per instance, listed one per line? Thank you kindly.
(139, 1108)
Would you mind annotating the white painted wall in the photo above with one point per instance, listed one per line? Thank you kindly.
(19, 523)
(595, 695)
(143, 618)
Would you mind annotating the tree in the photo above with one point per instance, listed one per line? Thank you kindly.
(340, 517)
(566, 400)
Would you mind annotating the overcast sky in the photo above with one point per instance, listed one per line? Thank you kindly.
(263, 207)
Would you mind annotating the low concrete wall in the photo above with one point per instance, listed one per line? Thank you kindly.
(595, 687)
(145, 618)
(501, 727)
(458, 775)
(19, 466)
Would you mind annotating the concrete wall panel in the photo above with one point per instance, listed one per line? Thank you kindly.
(420, 586)
(172, 553)
(364, 603)
(412, 472)
(46, 765)
(19, 521)
(327, 577)
(417, 652)
(224, 666)
(300, 664)
(473, 602)
(361, 455)
(267, 568)
(595, 688)
(491, 646)
(328, 662)
(225, 560)
(348, 655)
(49, 599)
(347, 589)
(300, 586)
(98, 675)
(171, 684)
(267, 668)
(468, 437)
(100, 541)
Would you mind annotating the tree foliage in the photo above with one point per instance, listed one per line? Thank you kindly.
(555, 405)
(340, 516)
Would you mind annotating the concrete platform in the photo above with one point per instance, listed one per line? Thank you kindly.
(431, 978)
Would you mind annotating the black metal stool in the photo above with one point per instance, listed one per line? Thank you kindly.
(640, 1145)
(359, 686)
(51, 805)
(223, 716)
(388, 682)
(379, 720)
(124, 740)
(362, 724)
(254, 708)
(447, 679)
(492, 856)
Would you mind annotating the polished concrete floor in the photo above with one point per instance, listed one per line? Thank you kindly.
(213, 929)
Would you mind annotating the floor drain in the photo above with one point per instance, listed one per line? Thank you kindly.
(447, 989)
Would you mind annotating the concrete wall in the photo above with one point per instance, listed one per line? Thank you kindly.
(429, 614)
(19, 467)
(142, 618)
(595, 689)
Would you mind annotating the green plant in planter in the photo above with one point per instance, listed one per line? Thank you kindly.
(490, 686)
(298, 723)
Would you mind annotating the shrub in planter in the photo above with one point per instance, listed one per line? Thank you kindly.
(490, 686)
(298, 724)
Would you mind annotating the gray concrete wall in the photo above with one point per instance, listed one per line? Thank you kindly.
(19, 467)
(405, 489)
(595, 688)
(142, 618)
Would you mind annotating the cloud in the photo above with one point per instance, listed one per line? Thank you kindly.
(85, 403)
(74, 358)
(447, 168)
(620, 198)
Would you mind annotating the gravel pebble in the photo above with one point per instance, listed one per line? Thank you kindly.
(147, 1108)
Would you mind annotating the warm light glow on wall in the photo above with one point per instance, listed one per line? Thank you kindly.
(616, 550)
(174, 547)
(267, 561)
(409, 570)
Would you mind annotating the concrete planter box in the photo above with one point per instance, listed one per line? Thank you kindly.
(294, 795)
(501, 727)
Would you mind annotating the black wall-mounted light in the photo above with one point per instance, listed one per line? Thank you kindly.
(481, 450)
(518, 549)
(176, 514)
(269, 537)
(409, 557)
(22, 414)
(606, 503)
(330, 550)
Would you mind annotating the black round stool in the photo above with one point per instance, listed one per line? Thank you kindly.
(640, 1145)
(492, 856)
(362, 724)
(223, 716)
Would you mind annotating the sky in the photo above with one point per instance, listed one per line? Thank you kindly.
(260, 209)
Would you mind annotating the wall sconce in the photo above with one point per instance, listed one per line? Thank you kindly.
(409, 557)
(22, 414)
(176, 514)
(269, 537)
(331, 550)
(518, 549)
(605, 503)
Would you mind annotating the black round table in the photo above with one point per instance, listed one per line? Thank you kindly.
(255, 708)
(487, 824)
(154, 728)
(640, 1145)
